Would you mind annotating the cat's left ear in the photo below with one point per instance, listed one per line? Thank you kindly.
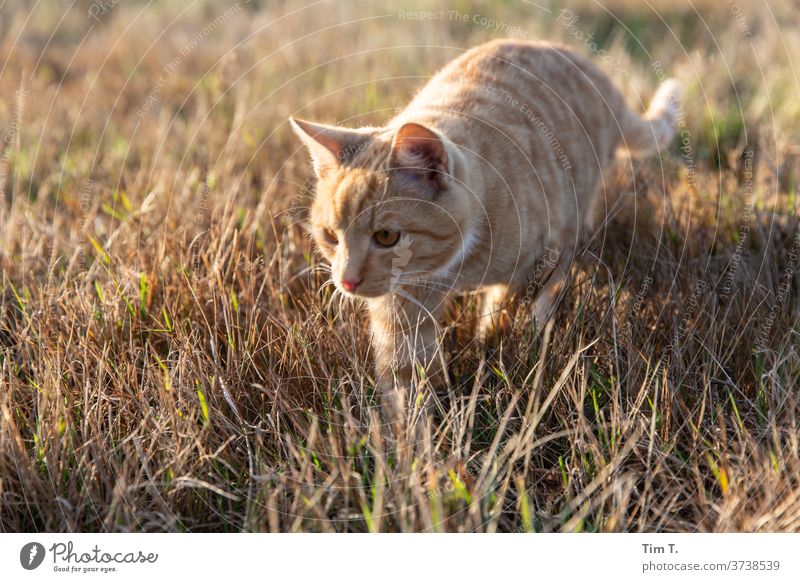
(422, 151)
(330, 146)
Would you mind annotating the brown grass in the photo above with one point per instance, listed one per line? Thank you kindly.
(168, 361)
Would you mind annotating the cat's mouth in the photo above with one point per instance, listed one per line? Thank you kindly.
(372, 290)
(363, 291)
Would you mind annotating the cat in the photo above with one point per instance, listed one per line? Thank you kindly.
(491, 171)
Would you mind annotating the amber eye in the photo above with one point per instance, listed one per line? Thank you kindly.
(386, 238)
(329, 236)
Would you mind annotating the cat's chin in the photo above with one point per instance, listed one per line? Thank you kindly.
(363, 293)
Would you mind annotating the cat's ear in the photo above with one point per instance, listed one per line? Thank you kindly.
(420, 150)
(329, 146)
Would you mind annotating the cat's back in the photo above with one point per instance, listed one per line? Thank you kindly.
(517, 58)
(507, 77)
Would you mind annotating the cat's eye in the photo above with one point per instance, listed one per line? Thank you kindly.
(329, 236)
(386, 238)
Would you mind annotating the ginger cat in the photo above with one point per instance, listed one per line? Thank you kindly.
(493, 166)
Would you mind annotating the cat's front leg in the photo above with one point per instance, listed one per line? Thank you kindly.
(493, 315)
(407, 347)
(545, 300)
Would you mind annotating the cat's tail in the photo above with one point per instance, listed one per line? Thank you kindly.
(655, 130)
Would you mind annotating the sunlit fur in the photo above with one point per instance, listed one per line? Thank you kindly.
(495, 164)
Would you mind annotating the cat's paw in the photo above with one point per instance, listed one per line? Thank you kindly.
(492, 326)
(495, 315)
(544, 307)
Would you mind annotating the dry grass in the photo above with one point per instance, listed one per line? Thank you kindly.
(168, 361)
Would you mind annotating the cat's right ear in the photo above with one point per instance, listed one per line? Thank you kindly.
(329, 146)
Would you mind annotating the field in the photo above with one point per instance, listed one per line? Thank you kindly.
(170, 360)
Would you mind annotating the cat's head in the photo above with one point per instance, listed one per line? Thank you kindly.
(390, 208)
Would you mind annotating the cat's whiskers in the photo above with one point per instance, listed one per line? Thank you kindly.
(322, 268)
(425, 284)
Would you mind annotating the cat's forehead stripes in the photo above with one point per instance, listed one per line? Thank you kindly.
(364, 177)
(353, 195)
(356, 189)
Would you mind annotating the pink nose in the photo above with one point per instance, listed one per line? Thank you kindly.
(350, 285)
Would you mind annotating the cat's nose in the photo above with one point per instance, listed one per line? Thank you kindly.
(351, 284)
